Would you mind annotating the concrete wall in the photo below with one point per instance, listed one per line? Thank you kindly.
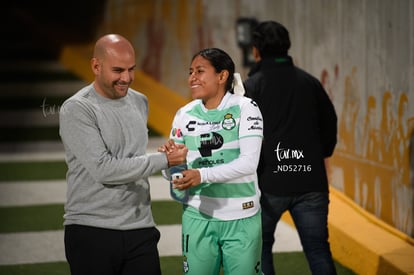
(361, 50)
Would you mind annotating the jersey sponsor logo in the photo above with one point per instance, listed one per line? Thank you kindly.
(190, 124)
(210, 126)
(208, 123)
(255, 127)
(228, 122)
(176, 132)
(247, 205)
(209, 142)
(256, 118)
(209, 162)
(257, 123)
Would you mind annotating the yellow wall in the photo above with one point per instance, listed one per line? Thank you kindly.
(371, 160)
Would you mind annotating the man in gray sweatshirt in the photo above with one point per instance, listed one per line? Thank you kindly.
(109, 228)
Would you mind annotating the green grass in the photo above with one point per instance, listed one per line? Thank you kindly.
(166, 212)
(31, 218)
(292, 263)
(32, 170)
(50, 216)
(58, 268)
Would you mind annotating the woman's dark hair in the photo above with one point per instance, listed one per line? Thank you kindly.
(271, 39)
(220, 60)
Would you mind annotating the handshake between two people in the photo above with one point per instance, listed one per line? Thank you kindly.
(176, 155)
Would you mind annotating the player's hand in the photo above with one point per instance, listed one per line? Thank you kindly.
(168, 147)
(176, 153)
(190, 178)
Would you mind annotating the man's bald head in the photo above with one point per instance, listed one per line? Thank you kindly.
(110, 43)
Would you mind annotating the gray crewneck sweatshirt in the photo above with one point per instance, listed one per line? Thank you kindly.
(105, 142)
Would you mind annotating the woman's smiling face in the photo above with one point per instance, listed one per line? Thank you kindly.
(205, 83)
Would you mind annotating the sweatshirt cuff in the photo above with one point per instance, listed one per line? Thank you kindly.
(158, 160)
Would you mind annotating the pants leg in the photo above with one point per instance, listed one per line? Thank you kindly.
(98, 251)
(141, 252)
(310, 214)
(272, 209)
(93, 251)
(200, 247)
(241, 245)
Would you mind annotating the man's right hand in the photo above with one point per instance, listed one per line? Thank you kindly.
(176, 153)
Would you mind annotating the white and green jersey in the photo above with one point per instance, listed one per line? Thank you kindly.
(224, 144)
